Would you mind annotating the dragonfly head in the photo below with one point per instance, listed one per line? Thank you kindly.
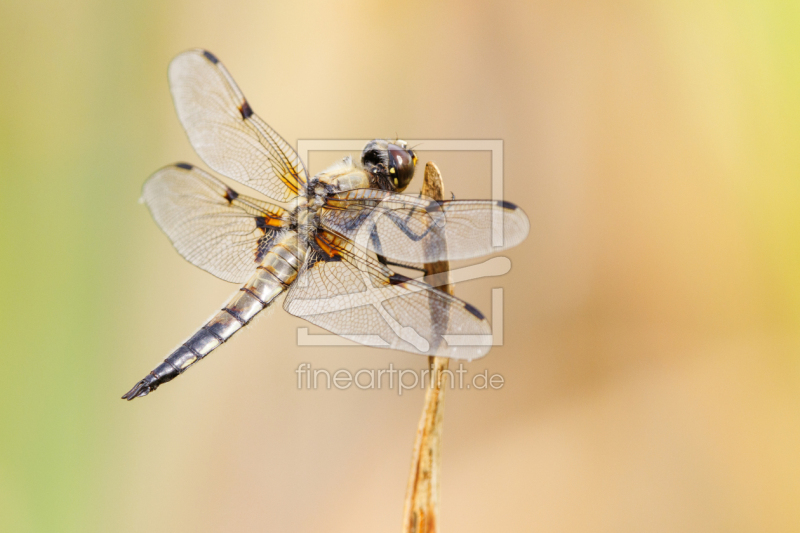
(389, 163)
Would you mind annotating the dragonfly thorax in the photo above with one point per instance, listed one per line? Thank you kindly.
(302, 214)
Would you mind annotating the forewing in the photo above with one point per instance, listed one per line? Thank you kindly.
(420, 230)
(226, 133)
(346, 292)
(211, 225)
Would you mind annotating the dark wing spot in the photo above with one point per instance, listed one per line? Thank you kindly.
(245, 110)
(261, 223)
(211, 57)
(231, 195)
(474, 311)
(506, 205)
(398, 279)
(319, 255)
(262, 248)
(184, 166)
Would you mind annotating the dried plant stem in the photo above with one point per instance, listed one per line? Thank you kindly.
(421, 509)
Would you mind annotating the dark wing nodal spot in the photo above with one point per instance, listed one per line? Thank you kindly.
(184, 166)
(261, 223)
(473, 310)
(211, 57)
(398, 279)
(506, 205)
(231, 195)
(246, 110)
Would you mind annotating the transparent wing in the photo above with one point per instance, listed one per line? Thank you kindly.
(346, 292)
(420, 230)
(226, 133)
(210, 224)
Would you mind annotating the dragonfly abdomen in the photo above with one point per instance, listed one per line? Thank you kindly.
(273, 276)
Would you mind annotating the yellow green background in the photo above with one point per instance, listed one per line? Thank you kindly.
(651, 351)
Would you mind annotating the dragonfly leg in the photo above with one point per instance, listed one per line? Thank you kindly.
(386, 262)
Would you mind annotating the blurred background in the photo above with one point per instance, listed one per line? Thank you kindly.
(651, 363)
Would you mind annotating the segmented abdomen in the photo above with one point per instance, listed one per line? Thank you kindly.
(276, 272)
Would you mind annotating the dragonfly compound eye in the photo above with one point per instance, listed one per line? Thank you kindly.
(401, 166)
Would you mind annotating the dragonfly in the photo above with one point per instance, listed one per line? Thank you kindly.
(327, 241)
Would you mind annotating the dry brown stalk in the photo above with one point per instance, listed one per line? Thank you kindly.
(421, 509)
